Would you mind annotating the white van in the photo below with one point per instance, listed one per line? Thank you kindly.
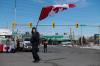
(27, 46)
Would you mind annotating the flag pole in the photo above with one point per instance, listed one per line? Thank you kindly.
(37, 24)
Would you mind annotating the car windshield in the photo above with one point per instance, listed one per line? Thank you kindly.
(27, 39)
(66, 41)
(3, 41)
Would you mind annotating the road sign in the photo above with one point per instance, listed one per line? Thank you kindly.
(14, 33)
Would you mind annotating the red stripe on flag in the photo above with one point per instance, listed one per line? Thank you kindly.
(72, 5)
(45, 12)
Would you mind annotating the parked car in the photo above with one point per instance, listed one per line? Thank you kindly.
(1, 47)
(65, 42)
(27, 46)
(8, 45)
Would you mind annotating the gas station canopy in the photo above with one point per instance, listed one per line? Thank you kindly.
(50, 37)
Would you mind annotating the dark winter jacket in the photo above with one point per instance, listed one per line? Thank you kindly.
(35, 37)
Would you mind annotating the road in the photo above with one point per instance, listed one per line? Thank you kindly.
(56, 56)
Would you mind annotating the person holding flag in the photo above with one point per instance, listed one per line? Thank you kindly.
(35, 40)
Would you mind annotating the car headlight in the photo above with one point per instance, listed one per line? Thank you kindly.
(25, 46)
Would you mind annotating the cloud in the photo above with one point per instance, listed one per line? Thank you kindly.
(43, 2)
(65, 1)
(80, 3)
(73, 1)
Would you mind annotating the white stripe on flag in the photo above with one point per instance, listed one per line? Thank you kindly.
(64, 5)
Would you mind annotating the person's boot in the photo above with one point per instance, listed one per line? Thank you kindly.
(36, 61)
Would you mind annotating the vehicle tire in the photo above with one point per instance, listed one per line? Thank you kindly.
(13, 51)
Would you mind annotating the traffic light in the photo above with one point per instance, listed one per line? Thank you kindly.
(53, 24)
(14, 25)
(30, 24)
(77, 25)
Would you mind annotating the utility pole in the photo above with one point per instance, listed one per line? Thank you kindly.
(81, 35)
(15, 10)
(71, 36)
(15, 38)
(99, 34)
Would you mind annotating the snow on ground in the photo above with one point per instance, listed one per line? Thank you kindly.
(92, 46)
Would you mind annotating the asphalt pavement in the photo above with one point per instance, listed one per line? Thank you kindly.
(56, 56)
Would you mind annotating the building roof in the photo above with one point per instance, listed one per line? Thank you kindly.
(4, 31)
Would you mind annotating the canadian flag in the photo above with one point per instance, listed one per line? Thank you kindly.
(49, 10)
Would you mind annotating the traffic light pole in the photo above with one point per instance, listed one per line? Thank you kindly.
(81, 35)
(15, 21)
